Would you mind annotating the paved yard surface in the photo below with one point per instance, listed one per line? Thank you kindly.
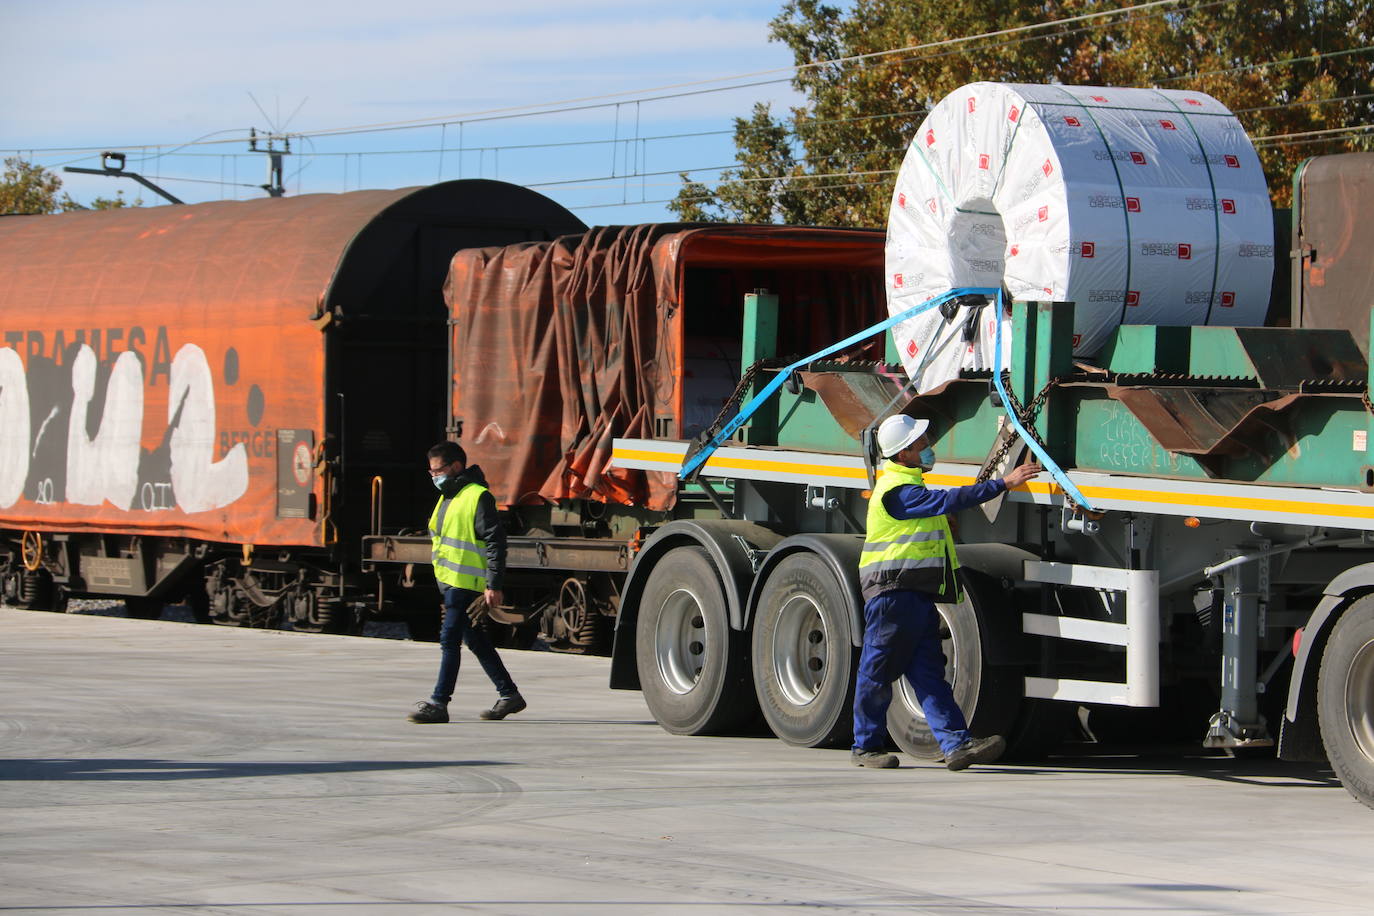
(162, 767)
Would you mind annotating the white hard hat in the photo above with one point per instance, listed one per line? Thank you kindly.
(898, 431)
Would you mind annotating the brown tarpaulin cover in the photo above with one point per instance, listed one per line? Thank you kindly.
(560, 347)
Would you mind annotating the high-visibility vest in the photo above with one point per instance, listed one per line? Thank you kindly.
(914, 554)
(460, 557)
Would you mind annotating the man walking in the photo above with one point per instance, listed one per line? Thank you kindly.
(469, 561)
(908, 563)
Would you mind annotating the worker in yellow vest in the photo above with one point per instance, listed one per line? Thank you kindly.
(908, 563)
(469, 558)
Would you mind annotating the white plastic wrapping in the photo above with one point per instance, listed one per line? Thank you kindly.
(1141, 206)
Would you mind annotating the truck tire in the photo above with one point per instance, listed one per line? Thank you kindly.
(802, 654)
(692, 666)
(990, 696)
(1345, 699)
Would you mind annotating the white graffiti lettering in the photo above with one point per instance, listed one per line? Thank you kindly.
(105, 467)
(200, 482)
(14, 428)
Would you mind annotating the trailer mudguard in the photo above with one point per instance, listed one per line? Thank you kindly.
(1299, 737)
(841, 553)
(735, 561)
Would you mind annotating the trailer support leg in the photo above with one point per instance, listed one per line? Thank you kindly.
(1238, 723)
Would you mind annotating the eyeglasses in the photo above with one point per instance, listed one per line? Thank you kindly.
(435, 472)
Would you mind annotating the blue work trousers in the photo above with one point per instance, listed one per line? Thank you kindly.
(902, 637)
(458, 630)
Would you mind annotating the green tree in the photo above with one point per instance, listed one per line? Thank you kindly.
(1290, 71)
(26, 188)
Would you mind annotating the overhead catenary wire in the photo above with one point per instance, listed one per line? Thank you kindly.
(963, 44)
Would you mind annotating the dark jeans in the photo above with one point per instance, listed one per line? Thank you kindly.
(456, 631)
(902, 638)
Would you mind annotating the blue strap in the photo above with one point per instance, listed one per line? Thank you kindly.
(697, 460)
(1049, 463)
(747, 411)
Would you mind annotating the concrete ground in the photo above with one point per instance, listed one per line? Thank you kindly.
(161, 767)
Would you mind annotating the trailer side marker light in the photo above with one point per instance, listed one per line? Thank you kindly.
(1297, 641)
(866, 494)
(1192, 521)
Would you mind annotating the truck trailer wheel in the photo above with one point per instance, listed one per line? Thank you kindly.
(692, 666)
(989, 695)
(1345, 699)
(802, 655)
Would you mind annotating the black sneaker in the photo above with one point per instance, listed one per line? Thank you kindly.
(506, 706)
(975, 750)
(879, 759)
(426, 712)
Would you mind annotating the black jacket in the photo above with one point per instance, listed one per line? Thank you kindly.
(486, 522)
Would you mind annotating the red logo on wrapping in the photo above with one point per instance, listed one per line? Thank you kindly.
(1231, 162)
(984, 160)
(931, 204)
(1228, 206)
(1167, 125)
(901, 201)
(1099, 98)
(971, 104)
(1014, 113)
(1048, 290)
(1133, 204)
(930, 137)
(1015, 250)
(1185, 251)
(1228, 300)
(911, 348)
(1089, 249)
(1047, 168)
(1193, 102)
(1077, 339)
(896, 280)
(1072, 122)
(1132, 297)
(1043, 213)
(1137, 158)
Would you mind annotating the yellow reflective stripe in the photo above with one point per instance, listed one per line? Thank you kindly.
(1197, 500)
(718, 462)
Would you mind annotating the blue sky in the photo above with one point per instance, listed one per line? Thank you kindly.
(133, 76)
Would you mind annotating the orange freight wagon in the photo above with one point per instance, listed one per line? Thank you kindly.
(182, 387)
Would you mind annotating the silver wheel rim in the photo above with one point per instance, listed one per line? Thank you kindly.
(1359, 699)
(680, 641)
(800, 650)
(951, 649)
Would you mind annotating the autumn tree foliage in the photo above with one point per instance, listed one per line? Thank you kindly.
(1299, 75)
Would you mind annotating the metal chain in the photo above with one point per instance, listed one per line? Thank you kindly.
(731, 406)
(1027, 417)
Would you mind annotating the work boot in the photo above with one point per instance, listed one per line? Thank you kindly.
(975, 750)
(506, 706)
(426, 712)
(878, 759)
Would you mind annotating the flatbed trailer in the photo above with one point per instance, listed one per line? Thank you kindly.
(1214, 578)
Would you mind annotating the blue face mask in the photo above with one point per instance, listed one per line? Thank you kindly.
(927, 457)
(440, 481)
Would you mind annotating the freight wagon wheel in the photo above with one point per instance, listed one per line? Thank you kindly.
(1345, 699)
(989, 695)
(692, 667)
(802, 655)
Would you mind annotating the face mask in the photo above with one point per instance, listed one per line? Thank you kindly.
(440, 481)
(927, 457)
